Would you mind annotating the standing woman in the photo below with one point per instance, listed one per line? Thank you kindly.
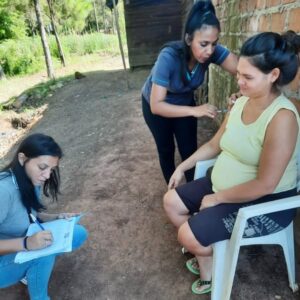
(34, 166)
(168, 94)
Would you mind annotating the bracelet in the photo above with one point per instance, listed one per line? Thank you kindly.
(25, 243)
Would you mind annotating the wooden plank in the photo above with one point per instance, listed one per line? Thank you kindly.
(150, 24)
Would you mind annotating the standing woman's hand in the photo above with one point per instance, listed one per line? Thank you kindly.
(39, 240)
(175, 179)
(205, 110)
(231, 100)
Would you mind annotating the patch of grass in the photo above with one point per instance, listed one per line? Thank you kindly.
(25, 56)
(37, 95)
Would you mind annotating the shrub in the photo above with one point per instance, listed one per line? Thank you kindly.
(26, 56)
(20, 57)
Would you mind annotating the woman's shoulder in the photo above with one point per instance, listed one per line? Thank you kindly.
(172, 50)
(7, 183)
(282, 102)
(240, 102)
(219, 55)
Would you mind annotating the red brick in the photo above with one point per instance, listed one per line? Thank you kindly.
(278, 22)
(243, 6)
(251, 6)
(287, 1)
(294, 18)
(264, 23)
(260, 4)
(272, 3)
(253, 24)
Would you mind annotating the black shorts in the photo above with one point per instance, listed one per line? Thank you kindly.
(216, 223)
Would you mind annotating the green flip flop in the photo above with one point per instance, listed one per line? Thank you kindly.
(192, 266)
(198, 283)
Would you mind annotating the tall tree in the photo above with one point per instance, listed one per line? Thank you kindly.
(115, 12)
(48, 59)
(96, 17)
(103, 16)
(12, 21)
(71, 14)
(59, 46)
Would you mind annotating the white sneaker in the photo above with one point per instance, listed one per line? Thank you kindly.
(24, 281)
(184, 251)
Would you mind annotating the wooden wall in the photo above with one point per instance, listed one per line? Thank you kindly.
(150, 24)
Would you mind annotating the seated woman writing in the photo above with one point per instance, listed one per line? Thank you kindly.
(34, 166)
(256, 147)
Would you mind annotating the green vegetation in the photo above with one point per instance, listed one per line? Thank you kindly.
(25, 56)
(76, 22)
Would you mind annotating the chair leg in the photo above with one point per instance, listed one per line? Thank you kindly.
(224, 264)
(219, 253)
(289, 254)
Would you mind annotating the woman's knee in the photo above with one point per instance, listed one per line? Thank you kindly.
(173, 204)
(79, 237)
(170, 201)
(187, 239)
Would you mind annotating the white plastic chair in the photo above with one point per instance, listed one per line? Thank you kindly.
(225, 253)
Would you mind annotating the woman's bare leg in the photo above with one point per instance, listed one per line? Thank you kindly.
(202, 253)
(175, 209)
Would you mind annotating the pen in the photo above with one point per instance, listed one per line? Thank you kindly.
(35, 220)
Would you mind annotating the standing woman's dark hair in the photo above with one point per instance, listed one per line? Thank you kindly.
(33, 146)
(200, 16)
(269, 50)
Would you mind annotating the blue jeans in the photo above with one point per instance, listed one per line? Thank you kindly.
(37, 271)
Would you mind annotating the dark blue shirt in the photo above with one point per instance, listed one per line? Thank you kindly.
(166, 72)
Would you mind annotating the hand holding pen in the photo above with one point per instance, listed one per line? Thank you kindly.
(39, 240)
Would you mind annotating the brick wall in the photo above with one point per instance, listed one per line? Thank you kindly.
(241, 19)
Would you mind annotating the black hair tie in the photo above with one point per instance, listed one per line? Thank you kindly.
(25, 242)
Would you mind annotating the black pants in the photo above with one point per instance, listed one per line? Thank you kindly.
(163, 130)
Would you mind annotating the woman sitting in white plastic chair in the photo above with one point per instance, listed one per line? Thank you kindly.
(257, 145)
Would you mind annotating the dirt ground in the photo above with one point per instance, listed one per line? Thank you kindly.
(110, 168)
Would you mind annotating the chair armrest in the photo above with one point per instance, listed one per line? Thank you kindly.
(259, 209)
(202, 166)
(269, 207)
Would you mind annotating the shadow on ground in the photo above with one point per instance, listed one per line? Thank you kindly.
(110, 168)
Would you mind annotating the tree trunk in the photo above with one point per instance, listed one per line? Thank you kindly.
(96, 18)
(2, 75)
(46, 49)
(103, 16)
(60, 49)
(115, 12)
(113, 16)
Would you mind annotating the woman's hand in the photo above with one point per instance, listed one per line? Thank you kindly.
(209, 201)
(205, 110)
(67, 215)
(175, 179)
(39, 240)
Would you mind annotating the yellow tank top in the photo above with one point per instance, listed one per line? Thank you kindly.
(241, 147)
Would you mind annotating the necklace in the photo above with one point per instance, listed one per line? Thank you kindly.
(190, 74)
(194, 69)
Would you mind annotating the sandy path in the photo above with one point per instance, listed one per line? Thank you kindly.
(111, 169)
